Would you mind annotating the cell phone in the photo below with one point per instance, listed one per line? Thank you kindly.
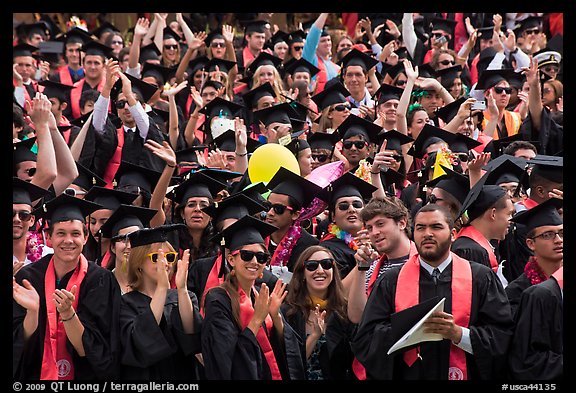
(442, 40)
(478, 105)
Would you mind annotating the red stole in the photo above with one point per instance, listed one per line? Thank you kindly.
(407, 295)
(559, 277)
(106, 259)
(65, 76)
(246, 313)
(247, 56)
(114, 162)
(77, 92)
(56, 360)
(528, 203)
(212, 281)
(65, 134)
(472, 233)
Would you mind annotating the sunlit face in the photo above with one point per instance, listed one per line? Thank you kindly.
(305, 161)
(550, 250)
(170, 49)
(93, 66)
(247, 270)
(501, 222)
(385, 233)
(354, 154)
(355, 79)
(265, 74)
(73, 53)
(349, 218)
(20, 227)
(319, 280)
(280, 49)
(192, 213)
(67, 240)
(284, 220)
(25, 66)
(256, 40)
(419, 120)
(432, 236)
(122, 246)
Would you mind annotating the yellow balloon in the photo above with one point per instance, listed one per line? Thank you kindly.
(267, 159)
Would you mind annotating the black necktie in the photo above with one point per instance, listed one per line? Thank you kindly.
(435, 274)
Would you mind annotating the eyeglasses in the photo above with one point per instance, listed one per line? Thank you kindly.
(30, 171)
(433, 198)
(447, 62)
(320, 157)
(359, 144)
(278, 207)
(218, 44)
(73, 192)
(120, 104)
(22, 215)
(298, 48)
(200, 205)
(247, 256)
(343, 206)
(500, 90)
(464, 157)
(550, 235)
(171, 47)
(311, 265)
(551, 68)
(400, 82)
(341, 107)
(532, 31)
(117, 42)
(170, 256)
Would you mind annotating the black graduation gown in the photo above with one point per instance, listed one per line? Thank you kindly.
(490, 329)
(537, 348)
(157, 352)
(514, 291)
(470, 250)
(514, 251)
(98, 310)
(343, 255)
(232, 353)
(550, 135)
(336, 355)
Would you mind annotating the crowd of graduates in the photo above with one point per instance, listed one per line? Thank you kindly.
(227, 199)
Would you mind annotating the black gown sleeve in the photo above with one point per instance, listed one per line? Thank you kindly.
(471, 251)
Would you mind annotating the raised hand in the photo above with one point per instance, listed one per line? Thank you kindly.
(181, 278)
(228, 33)
(40, 111)
(196, 97)
(142, 27)
(277, 297)
(175, 89)
(216, 159)
(261, 303)
(164, 151)
(25, 295)
(198, 40)
(241, 134)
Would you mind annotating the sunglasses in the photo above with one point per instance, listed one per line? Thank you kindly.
(278, 207)
(397, 157)
(171, 47)
(247, 256)
(30, 171)
(401, 82)
(298, 48)
(73, 192)
(120, 104)
(500, 90)
(464, 157)
(359, 144)
(343, 206)
(551, 68)
(342, 107)
(170, 256)
(311, 265)
(22, 215)
(532, 31)
(218, 44)
(438, 35)
(320, 157)
(447, 62)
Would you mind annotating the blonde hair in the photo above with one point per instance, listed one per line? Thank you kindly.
(277, 83)
(138, 258)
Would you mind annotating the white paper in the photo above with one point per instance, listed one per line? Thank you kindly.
(416, 334)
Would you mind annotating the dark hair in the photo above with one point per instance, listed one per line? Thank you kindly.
(432, 207)
(517, 145)
(17, 116)
(390, 207)
(88, 95)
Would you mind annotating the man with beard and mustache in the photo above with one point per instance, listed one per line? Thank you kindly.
(476, 325)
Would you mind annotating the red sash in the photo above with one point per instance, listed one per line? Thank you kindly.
(322, 76)
(106, 259)
(65, 134)
(407, 295)
(559, 276)
(212, 281)
(114, 162)
(65, 76)
(56, 360)
(246, 313)
(77, 92)
(528, 203)
(247, 55)
(472, 233)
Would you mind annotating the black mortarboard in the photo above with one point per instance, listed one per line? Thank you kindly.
(446, 25)
(28, 29)
(127, 216)
(355, 125)
(419, 28)
(56, 90)
(448, 111)
(517, 80)
(221, 106)
(281, 113)
(394, 139)
(97, 49)
(263, 58)
(394, 70)
(302, 65)
(221, 175)
(454, 183)
(296, 144)
(256, 26)
(485, 57)
(322, 140)
(426, 71)
(544, 214)
(87, 179)
(296, 36)
(130, 175)
(161, 73)
(548, 167)
(158, 234)
(22, 151)
(494, 162)
(168, 33)
(24, 192)
(447, 75)
(251, 97)
(189, 154)
(104, 28)
(75, 35)
(23, 50)
(65, 207)
(217, 33)
(358, 58)
(485, 33)
(463, 144)
(149, 52)
(505, 171)
(481, 197)
(529, 23)
(247, 230)
(196, 184)
(497, 146)
(279, 36)
(286, 182)
(403, 53)
(196, 64)
(49, 48)
(109, 198)
(143, 89)
(79, 121)
(490, 78)
(429, 135)
(234, 206)
(345, 186)
(387, 92)
(251, 190)
(227, 142)
(223, 65)
(336, 93)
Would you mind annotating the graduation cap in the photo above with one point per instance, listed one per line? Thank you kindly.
(446, 25)
(189, 154)
(223, 65)
(499, 145)
(347, 185)
(87, 179)
(447, 75)
(490, 78)
(394, 70)
(355, 125)
(336, 93)
(286, 182)
(219, 106)
(419, 28)
(23, 50)
(127, 216)
(196, 184)
(109, 198)
(357, 58)
(531, 22)
(548, 167)
(449, 111)
(25, 193)
(543, 214)
(222, 175)
(387, 92)
(426, 70)
(280, 113)
(105, 27)
(429, 135)
(130, 176)
(481, 197)
(251, 97)
(22, 151)
(322, 140)
(51, 49)
(149, 52)
(158, 234)
(517, 80)
(556, 43)
(227, 142)
(296, 36)
(161, 73)
(196, 64)
(256, 26)
(57, 90)
(403, 321)
(29, 29)
(454, 183)
(79, 121)
(506, 171)
(301, 65)
(64, 208)
(217, 33)
(296, 145)
(144, 90)
(247, 230)
(254, 191)
(394, 139)
(485, 57)
(279, 36)
(485, 33)
(97, 49)
(234, 206)
(463, 144)
(263, 58)
(75, 35)
(169, 33)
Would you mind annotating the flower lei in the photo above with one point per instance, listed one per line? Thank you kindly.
(284, 249)
(363, 171)
(338, 233)
(533, 271)
(33, 246)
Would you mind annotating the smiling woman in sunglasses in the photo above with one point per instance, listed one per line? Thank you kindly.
(243, 327)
